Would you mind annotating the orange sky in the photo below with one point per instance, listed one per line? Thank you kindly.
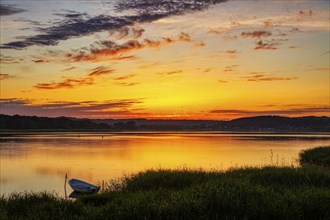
(167, 60)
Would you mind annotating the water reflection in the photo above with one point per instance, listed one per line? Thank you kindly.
(40, 162)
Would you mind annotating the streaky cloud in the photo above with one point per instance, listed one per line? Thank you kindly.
(256, 34)
(6, 10)
(77, 25)
(89, 79)
(6, 76)
(108, 108)
(260, 77)
(109, 50)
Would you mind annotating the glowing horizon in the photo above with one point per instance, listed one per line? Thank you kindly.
(167, 60)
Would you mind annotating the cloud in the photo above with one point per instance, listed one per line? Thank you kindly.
(109, 50)
(69, 68)
(126, 83)
(101, 70)
(309, 13)
(322, 110)
(321, 69)
(89, 79)
(6, 76)
(200, 44)
(40, 61)
(9, 10)
(127, 32)
(9, 59)
(267, 45)
(256, 34)
(67, 83)
(125, 77)
(231, 51)
(294, 47)
(230, 68)
(122, 108)
(222, 81)
(77, 25)
(170, 72)
(260, 77)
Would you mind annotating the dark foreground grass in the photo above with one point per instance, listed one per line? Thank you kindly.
(245, 193)
(315, 156)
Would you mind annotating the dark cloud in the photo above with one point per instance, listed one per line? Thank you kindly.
(40, 61)
(127, 32)
(106, 49)
(77, 25)
(101, 70)
(294, 47)
(5, 76)
(170, 72)
(231, 51)
(230, 68)
(69, 68)
(260, 77)
(125, 77)
(9, 10)
(72, 14)
(126, 83)
(67, 83)
(256, 34)
(308, 13)
(165, 7)
(109, 50)
(107, 108)
(267, 45)
(89, 79)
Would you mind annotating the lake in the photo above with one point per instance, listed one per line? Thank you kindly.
(39, 162)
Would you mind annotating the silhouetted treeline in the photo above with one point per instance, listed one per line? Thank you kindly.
(251, 124)
(60, 123)
(277, 123)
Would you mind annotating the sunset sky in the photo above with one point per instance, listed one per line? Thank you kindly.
(165, 59)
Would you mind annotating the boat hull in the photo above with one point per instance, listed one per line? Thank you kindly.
(83, 187)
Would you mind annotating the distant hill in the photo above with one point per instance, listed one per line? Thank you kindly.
(277, 123)
(43, 123)
(253, 124)
(249, 124)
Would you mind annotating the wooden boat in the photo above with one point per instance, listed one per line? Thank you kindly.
(83, 187)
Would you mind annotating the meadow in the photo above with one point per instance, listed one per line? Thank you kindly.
(239, 193)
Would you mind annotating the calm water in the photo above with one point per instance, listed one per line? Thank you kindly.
(39, 162)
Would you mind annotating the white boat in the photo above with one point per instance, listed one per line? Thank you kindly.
(83, 187)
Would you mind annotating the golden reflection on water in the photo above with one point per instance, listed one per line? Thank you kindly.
(40, 162)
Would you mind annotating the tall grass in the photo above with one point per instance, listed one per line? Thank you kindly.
(245, 193)
(315, 156)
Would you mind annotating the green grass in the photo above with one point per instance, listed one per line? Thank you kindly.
(316, 156)
(245, 193)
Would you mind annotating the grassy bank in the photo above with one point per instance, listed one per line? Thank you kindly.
(316, 156)
(246, 193)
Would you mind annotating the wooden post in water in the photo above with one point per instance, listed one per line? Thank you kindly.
(66, 177)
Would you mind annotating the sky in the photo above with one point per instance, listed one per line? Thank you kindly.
(165, 59)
